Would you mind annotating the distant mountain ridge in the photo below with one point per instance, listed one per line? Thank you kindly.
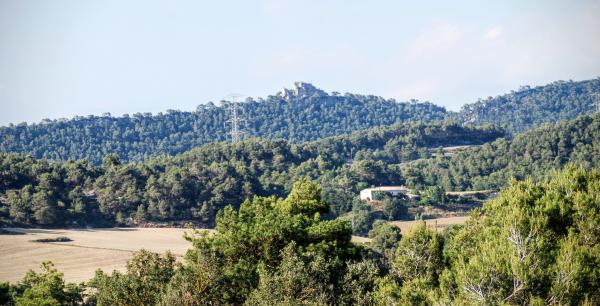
(530, 107)
(302, 113)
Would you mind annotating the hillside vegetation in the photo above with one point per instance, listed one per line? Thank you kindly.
(284, 212)
(196, 184)
(301, 114)
(530, 107)
(540, 243)
(531, 154)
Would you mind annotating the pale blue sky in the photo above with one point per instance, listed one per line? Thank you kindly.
(64, 58)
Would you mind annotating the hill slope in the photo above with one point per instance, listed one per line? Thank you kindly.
(196, 184)
(532, 154)
(529, 108)
(303, 113)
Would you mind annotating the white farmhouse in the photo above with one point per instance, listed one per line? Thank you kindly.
(367, 194)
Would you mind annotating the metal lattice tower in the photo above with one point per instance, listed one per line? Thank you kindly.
(235, 131)
(596, 96)
(235, 120)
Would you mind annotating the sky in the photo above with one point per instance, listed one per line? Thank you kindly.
(63, 58)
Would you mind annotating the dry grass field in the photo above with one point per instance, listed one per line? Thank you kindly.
(90, 249)
(359, 239)
(439, 223)
(109, 249)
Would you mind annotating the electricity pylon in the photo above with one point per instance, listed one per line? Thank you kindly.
(235, 120)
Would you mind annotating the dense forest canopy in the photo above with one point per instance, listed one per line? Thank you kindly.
(536, 244)
(196, 184)
(530, 107)
(301, 114)
(531, 154)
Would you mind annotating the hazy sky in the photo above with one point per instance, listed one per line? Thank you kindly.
(65, 58)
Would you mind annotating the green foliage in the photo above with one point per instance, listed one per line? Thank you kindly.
(45, 288)
(305, 198)
(315, 280)
(385, 238)
(358, 283)
(299, 118)
(532, 154)
(530, 108)
(395, 207)
(419, 256)
(5, 294)
(197, 184)
(308, 116)
(537, 242)
(361, 218)
(433, 195)
(298, 280)
(142, 284)
(267, 238)
(199, 282)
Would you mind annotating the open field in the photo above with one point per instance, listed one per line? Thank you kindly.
(90, 249)
(110, 248)
(441, 223)
(359, 239)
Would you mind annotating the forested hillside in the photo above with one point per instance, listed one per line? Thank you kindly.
(536, 244)
(303, 113)
(530, 154)
(530, 107)
(196, 184)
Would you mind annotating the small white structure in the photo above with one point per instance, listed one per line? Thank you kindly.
(367, 194)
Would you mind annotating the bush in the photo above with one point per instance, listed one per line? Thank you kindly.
(57, 239)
